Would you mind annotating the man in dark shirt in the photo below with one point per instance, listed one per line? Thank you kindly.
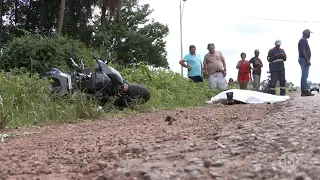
(304, 61)
(276, 58)
(256, 73)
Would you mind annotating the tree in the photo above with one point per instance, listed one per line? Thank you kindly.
(61, 14)
(133, 38)
(114, 7)
(43, 17)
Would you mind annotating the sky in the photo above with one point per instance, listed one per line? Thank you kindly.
(224, 24)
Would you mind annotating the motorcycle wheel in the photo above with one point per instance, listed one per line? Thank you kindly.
(135, 93)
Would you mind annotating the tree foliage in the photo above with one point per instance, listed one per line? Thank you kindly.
(130, 37)
(37, 53)
(133, 38)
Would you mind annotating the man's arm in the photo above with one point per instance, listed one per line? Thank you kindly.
(224, 65)
(205, 63)
(250, 72)
(223, 62)
(182, 62)
(202, 68)
(270, 56)
(302, 47)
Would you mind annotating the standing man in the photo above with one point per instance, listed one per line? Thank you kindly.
(304, 61)
(215, 67)
(276, 58)
(194, 64)
(256, 73)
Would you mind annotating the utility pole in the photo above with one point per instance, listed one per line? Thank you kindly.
(181, 45)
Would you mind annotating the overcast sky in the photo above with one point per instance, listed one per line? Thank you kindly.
(218, 22)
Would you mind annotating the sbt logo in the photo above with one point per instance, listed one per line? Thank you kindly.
(288, 161)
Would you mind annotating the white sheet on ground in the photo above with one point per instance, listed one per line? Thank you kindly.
(250, 97)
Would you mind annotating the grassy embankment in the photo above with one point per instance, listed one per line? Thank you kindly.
(25, 100)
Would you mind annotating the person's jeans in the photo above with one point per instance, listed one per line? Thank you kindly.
(256, 82)
(304, 74)
(218, 78)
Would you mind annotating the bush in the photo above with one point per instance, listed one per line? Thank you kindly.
(39, 53)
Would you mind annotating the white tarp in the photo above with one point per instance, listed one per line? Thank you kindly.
(249, 97)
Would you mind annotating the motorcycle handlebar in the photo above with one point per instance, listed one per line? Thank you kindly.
(75, 64)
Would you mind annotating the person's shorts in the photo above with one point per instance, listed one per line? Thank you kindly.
(196, 78)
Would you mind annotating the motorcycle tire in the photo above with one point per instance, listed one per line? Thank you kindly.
(135, 92)
(138, 91)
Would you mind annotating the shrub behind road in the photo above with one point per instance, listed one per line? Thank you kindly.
(40, 53)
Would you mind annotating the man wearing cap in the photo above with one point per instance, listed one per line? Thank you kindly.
(256, 73)
(276, 58)
(304, 61)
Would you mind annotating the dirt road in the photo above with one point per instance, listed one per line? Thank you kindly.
(217, 142)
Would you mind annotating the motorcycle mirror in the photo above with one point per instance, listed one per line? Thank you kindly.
(82, 65)
(100, 67)
(75, 64)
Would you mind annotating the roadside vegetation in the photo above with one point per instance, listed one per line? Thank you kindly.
(25, 100)
(32, 41)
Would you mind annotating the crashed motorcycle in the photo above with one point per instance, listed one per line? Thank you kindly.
(102, 82)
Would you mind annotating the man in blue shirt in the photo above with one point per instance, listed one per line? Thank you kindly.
(276, 58)
(194, 65)
(304, 61)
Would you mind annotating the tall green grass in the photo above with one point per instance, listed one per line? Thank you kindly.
(26, 100)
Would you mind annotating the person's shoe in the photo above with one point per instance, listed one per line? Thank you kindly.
(230, 100)
(306, 93)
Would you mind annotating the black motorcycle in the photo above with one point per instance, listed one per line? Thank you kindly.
(102, 82)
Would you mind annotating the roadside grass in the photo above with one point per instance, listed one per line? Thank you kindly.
(25, 100)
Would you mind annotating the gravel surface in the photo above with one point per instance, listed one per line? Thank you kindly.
(215, 142)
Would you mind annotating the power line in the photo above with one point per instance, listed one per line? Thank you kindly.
(282, 20)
